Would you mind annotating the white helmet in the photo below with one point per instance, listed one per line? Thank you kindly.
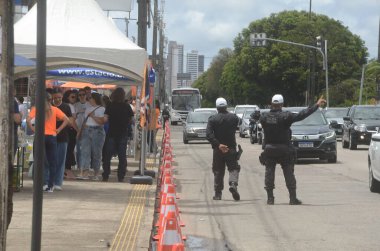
(277, 99)
(221, 102)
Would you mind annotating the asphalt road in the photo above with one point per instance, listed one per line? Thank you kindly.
(339, 211)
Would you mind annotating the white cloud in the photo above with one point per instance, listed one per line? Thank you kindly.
(208, 25)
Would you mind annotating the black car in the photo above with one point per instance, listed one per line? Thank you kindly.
(314, 137)
(359, 125)
(337, 114)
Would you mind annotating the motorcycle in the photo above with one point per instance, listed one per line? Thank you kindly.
(260, 134)
(253, 131)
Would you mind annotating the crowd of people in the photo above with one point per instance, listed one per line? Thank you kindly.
(85, 129)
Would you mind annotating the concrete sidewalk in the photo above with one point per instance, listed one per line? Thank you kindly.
(87, 215)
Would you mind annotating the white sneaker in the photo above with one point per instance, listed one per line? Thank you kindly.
(44, 187)
(58, 188)
(49, 189)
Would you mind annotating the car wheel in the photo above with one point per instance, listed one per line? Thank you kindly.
(344, 143)
(351, 143)
(185, 140)
(332, 160)
(374, 185)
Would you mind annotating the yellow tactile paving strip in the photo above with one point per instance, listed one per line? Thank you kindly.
(126, 235)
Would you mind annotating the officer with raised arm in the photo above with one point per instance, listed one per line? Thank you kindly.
(278, 149)
(220, 132)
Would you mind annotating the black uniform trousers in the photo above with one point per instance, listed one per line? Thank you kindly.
(219, 162)
(287, 168)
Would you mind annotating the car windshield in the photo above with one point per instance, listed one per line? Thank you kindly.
(247, 113)
(212, 110)
(198, 117)
(316, 118)
(231, 109)
(240, 110)
(367, 113)
(336, 113)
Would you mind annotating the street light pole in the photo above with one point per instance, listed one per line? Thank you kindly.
(362, 83)
(259, 39)
(327, 76)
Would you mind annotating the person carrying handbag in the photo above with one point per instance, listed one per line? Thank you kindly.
(92, 136)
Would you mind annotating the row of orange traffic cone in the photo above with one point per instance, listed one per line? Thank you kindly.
(169, 236)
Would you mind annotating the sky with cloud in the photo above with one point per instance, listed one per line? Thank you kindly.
(209, 25)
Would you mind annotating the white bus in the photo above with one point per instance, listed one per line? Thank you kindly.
(183, 101)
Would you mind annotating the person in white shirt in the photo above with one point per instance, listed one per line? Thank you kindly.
(80, 108)
(93, 137)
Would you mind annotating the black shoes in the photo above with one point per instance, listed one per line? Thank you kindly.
(295, 201)
(218, 196)
(234, 191)
(270, 201)
(293, 198)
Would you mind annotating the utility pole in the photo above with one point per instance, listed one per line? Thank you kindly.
(6, 94)
(155, 24)
(142, 23)
(309, 77)
(378, 47)
(161, 61)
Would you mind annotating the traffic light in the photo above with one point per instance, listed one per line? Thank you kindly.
(258, 39)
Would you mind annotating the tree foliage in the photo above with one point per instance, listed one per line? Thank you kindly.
(254, 74)
(208, 82)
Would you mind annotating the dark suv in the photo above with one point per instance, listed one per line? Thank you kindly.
(359, 125)
(314, 137)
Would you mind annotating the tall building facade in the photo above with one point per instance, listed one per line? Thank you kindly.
(192, 65)
(172, 65)
(180, 58)
(180, 82)
(201, 64)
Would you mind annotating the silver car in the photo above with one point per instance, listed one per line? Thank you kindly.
(337, 114)
(374, 163)
(195, 126)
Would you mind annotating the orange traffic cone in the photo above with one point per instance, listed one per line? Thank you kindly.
(171, 237)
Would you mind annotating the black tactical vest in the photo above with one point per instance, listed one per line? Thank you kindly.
(276, 130)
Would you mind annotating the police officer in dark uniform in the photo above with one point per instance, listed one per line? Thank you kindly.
(220, 132)
(278, 148)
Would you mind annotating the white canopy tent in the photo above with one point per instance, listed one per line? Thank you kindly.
(79, 35)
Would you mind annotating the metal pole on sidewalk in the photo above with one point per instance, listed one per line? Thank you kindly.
(39, 142)
(143, 152)
(6, 109)
(143, 176)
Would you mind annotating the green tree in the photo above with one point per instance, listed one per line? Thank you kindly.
(253, 75)
(208, 82)
(371, 80)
